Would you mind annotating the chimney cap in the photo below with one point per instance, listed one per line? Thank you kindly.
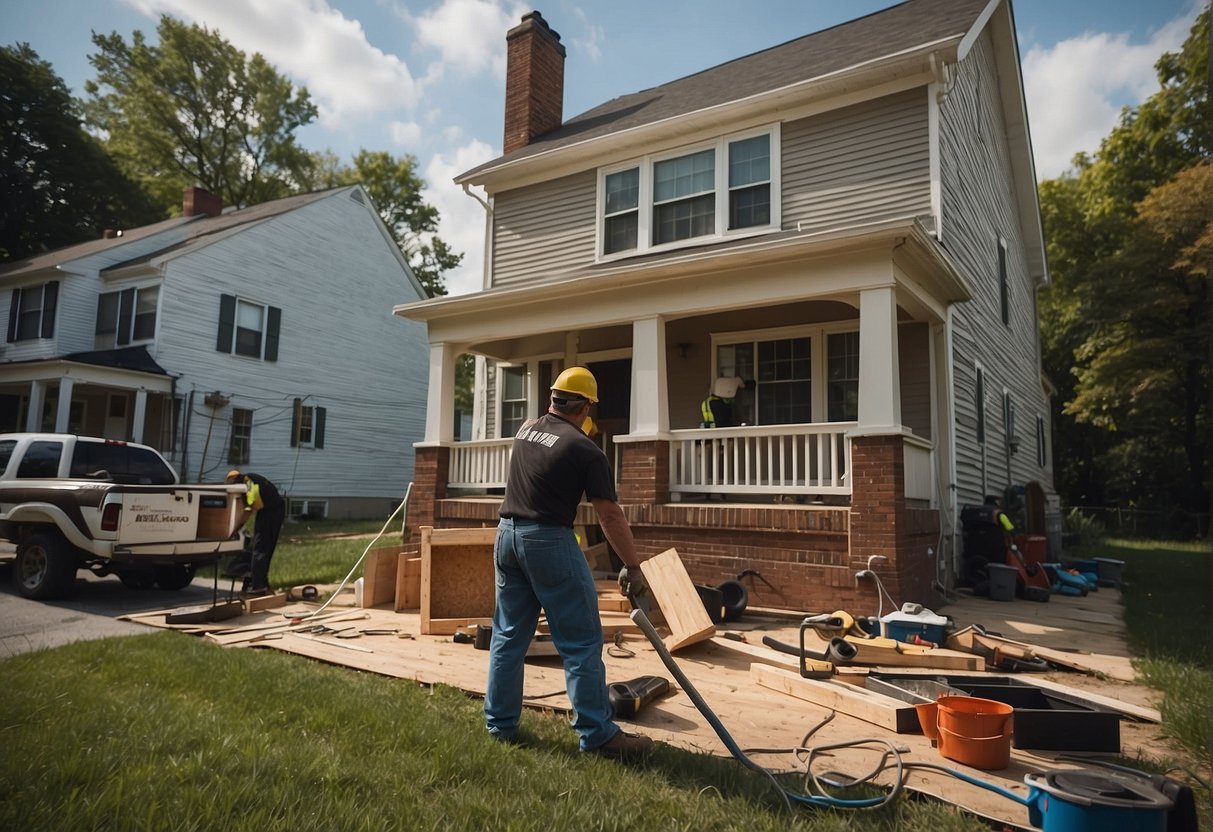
(534, 20)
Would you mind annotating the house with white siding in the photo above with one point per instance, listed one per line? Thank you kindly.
(261, 338)
(849, 222)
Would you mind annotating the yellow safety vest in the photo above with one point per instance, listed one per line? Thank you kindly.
(705, 408)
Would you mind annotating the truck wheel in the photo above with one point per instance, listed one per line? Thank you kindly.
(174, 576)
(45, 566)
(137, 578)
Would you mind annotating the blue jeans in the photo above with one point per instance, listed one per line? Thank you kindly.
(541, 566)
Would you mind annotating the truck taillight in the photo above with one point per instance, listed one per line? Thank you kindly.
(109, 517)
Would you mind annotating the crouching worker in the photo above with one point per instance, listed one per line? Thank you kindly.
(261, 497)
(539, 565)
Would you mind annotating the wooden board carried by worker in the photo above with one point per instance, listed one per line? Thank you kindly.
(457, 583)
(678, 599)
(852, 700)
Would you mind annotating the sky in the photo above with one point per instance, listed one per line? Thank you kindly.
(427, 77)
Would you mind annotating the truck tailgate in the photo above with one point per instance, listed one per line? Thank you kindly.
(161, 515)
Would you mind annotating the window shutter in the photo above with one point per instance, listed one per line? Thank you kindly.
(50, 298)
(273, 320)
(318, 427)
(14, 309)
(295, 414)
(1004, 298)
(227, 323)
(126, 312)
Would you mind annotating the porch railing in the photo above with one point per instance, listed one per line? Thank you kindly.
(484, 463)
(808, 459)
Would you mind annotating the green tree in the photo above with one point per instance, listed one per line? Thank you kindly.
(59, 186)
(194, 110)
(1121, 321)
(395, 187)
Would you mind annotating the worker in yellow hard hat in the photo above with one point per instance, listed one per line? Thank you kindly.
(540, 566)
(261, 497)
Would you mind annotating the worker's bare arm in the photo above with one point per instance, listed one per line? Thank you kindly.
(618, 532)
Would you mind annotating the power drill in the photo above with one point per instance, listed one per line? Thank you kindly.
(627, 698)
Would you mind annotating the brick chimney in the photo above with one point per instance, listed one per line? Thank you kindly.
(534, 82)
(200, 201)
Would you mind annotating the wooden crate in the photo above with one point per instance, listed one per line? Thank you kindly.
(457, 583)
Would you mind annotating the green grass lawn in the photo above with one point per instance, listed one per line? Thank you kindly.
(167, 732)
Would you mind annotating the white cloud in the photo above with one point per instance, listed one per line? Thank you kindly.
(1075, 90)
(462, 218)
(591, 44)
(468, 34)
(405, 132)
(312, 43)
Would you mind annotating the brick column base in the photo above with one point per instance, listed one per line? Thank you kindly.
(430, 475)
(645, 475)
(882, 523)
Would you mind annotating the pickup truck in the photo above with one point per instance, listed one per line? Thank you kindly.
(76, 502)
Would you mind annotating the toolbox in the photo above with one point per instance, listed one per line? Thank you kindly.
(904, 625)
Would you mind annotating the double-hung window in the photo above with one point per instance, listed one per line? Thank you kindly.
(126, 317)
(31, 312)
(513, 400)
(248, 328)
(717, 189)
(242, 436)
(307, 425)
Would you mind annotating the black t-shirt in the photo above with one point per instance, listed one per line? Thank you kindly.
(553, 464)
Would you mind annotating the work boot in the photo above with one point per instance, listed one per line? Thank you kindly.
(624, 746)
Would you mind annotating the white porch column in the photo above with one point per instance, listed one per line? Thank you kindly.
(140, 416)
(650, 405)
(440, 400)
(64, 410)
(879, 385)
(37, 400)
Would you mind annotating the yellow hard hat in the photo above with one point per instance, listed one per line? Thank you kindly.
(233, 475)
(579, 381)
(588, 427)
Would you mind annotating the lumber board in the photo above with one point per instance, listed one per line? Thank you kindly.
(675, 594)
(379, 576)
(1115, 667)
(457, 583)
(869, 654)
(876, 708)
(408, 584)
(265, 602)
(756, 653)
(610, 599)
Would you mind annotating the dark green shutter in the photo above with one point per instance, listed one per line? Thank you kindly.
(50, 299)
(14, 309)
(295, 416)
(227, 322)
(318, 427)
(126, 314)
(272, 323)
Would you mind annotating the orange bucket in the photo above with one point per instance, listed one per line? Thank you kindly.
(986, 753)
(972, 716)
(928, 716)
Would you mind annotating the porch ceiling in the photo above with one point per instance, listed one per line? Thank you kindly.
(791, 268)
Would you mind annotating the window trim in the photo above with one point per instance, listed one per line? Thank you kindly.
(644, 210)
(318, 416)
(527, 404)
(233, 457)
(818, 335)
(126, 338)
(271, 324)
(48, 310)
(1004, 285)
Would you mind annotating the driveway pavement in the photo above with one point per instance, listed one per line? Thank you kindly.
(92, 612)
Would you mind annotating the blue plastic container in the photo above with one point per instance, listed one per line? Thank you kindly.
(1087, 801)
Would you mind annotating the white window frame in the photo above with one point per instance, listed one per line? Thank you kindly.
(305, 507)
(528, 405)
(307, 422)
(246, 439)
(264, 325)
(106, 341)
(818, 336)
(644, 220)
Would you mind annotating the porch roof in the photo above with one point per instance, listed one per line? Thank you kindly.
(608, 293)
(131, 368)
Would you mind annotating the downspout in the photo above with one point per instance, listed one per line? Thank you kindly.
(488, 235)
